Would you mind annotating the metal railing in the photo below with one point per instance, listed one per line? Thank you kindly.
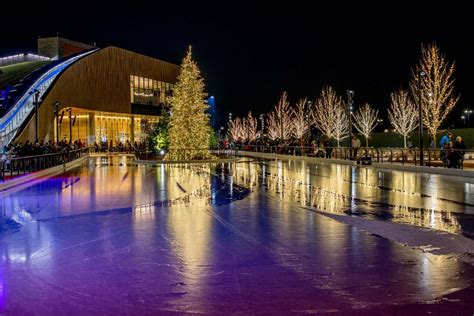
(452, 158)
(14, 167)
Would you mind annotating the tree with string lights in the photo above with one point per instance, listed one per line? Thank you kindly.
(434, 75)
(272, 126)
(341, 124)
(235, 129)
(403, 114)
(365, 120)
(329, 115)
(282, 119)
(189, 131)
(300, 122)
(251, 127)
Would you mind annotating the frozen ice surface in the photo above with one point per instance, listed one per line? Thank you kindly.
(245, 238)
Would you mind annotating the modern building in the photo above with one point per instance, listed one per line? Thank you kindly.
(93, 94)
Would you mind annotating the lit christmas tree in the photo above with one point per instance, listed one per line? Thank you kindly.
(189, 123)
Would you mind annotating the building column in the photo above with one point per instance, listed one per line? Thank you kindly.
(132, 130)
(91, 129)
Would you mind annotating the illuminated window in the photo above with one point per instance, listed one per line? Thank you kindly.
(148, 91)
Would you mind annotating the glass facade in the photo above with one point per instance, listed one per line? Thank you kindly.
(112, 128)
(148, 91)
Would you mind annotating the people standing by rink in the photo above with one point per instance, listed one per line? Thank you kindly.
(355, 142)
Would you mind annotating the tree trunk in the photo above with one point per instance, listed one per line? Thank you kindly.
(366, 141)
(338, 143)
(434, 140)
(404, 141)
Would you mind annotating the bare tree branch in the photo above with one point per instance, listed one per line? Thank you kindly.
(280, 120)
(329, 115)
(403, 114)
(437, 87)
(365, 120)
(300, 121)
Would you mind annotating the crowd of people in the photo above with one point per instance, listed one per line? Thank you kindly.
(452, 152)
(125, 147)
(40, 148)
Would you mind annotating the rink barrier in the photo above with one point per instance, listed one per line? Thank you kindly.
(11, 168)
(374, 165)
(22, 182)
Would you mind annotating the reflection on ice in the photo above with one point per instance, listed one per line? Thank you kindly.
(116, 238)
(396, 196)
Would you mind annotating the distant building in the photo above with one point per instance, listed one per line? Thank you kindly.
(58, 47)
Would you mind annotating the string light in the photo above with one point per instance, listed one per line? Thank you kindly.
(300, 121)
(235, 129)
(329, 115)
(250, 127)
(437, 87)
(189, 132)
(365, 120)
(280, 120)
(402, 114)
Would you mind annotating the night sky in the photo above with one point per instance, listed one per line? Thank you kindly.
(249, 52)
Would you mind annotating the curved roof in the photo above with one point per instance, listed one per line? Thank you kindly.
(12, 74)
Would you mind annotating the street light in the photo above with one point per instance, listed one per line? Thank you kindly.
(350, 95)
(468, 112)
(221, 133)
(420, 120)
(262, 125)
(36, 93)
(464, 119)
(56, 114)
(70, 124)
(212, 106)
(308, 121)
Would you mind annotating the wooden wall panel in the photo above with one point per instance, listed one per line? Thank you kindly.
(99, 82)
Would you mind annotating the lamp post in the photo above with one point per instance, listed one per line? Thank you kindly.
(420, 116)
(350, 95)
(262, 127)
(35, 94)
(56, 115)
(212, 106)
(468, 112)
(221, 133)
(308, 121)
(70, 124)
(380, 121)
